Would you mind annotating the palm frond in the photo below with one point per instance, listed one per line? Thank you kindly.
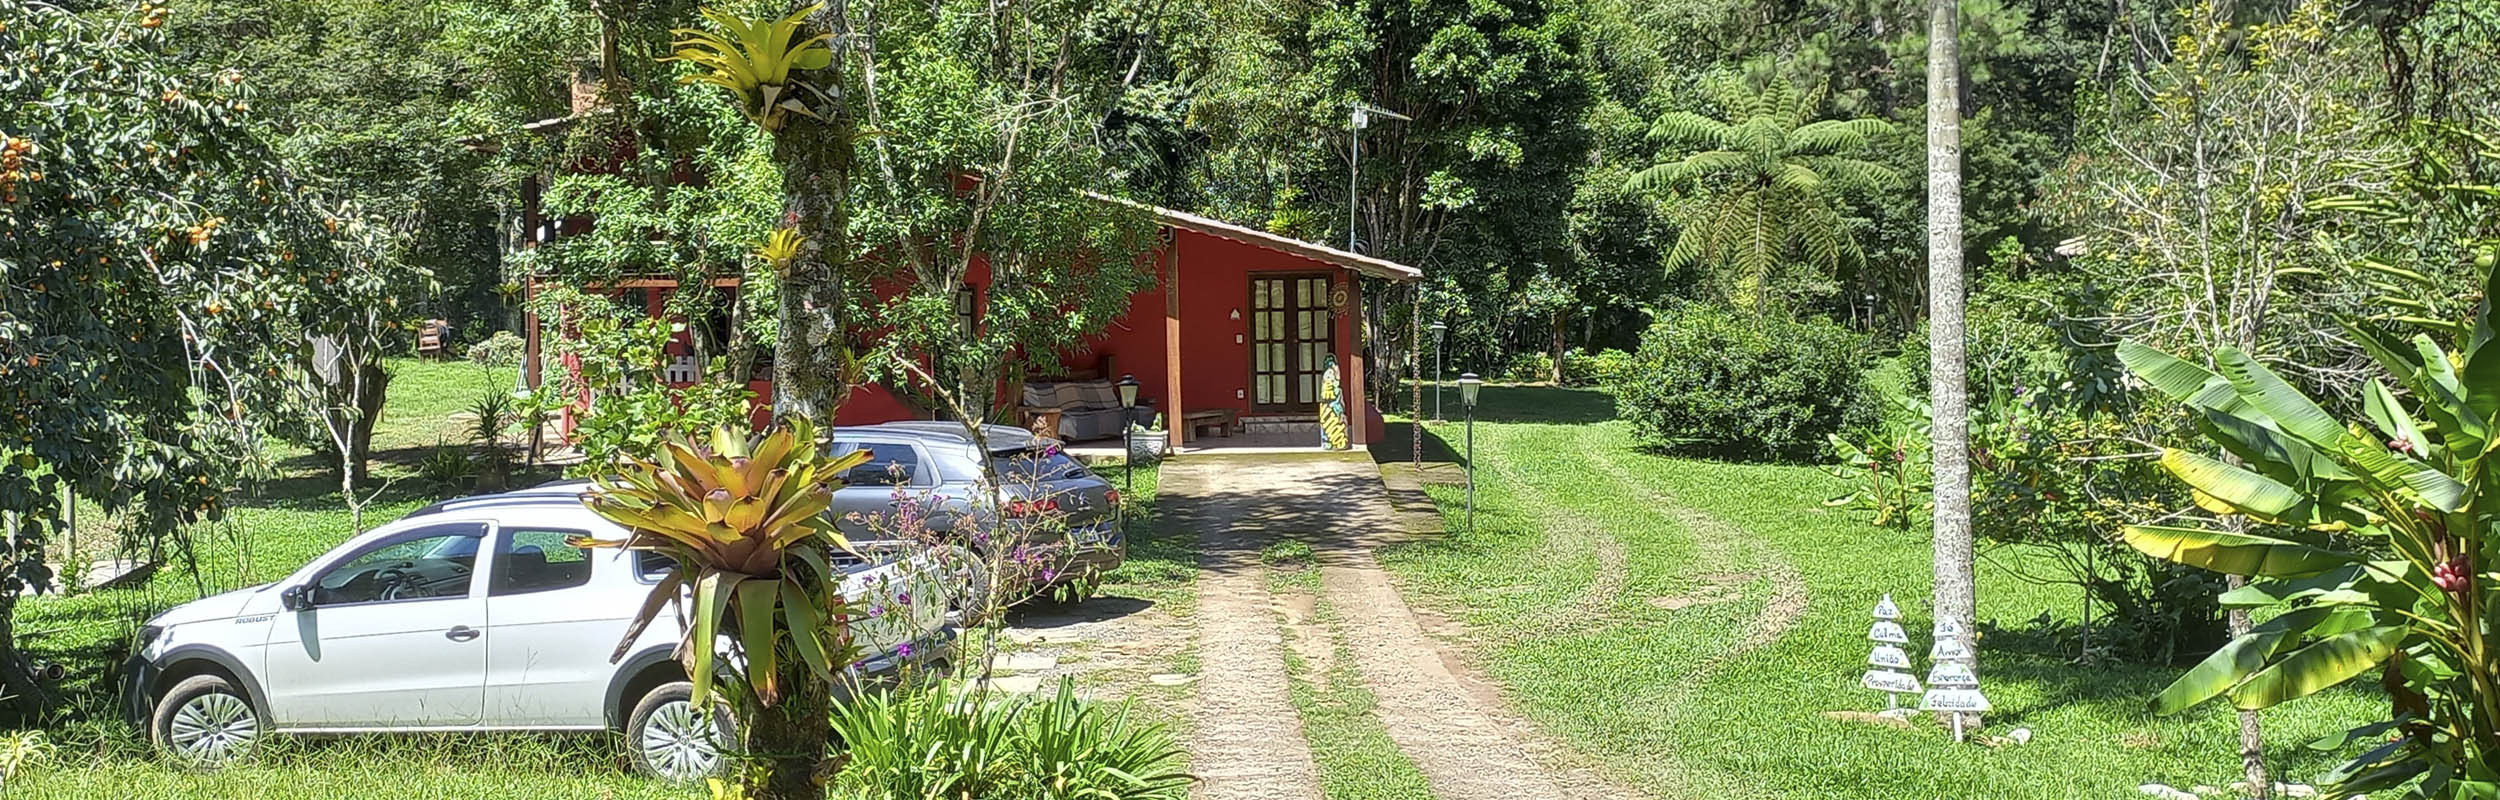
(1685, 127)
(1835, 136)
(1853, 175)
(1689, 170)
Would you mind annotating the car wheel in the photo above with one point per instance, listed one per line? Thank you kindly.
(206, 722)
(669, 739)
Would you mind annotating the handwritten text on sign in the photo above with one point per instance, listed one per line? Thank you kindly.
(1948, 673)
(1889, 681)
(1950, 650)
(1889, 657)
(1888, 633)
(1965, 701)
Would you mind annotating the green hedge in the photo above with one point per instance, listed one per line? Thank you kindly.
(1731, 384)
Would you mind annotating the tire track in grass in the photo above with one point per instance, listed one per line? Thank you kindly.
(1719, 543)
(1580, 534)
(1247, 741)
(1467, 743)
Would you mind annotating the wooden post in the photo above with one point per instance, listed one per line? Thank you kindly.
(1174, 426)
(1358, 416)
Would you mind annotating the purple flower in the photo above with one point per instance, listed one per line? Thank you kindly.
(902, 650)
(876, 611)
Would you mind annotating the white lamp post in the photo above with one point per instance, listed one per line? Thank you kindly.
(1468, 383)
(1437, 330)
(1128, 426)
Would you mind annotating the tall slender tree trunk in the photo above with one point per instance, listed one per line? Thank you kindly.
(1955, 590)
(809, 378)
(790, 743)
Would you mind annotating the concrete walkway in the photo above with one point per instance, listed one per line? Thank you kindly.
(1249, 741)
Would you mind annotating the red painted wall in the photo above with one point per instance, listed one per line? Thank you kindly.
(1214, 287)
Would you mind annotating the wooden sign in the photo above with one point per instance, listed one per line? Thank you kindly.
(1953, 674)
(1888, 633)
(1950, 649)
(1884, 609)
(1883, 680)
(1954, 701)
(1889, 657)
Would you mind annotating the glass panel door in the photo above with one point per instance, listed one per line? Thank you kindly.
(1292, 335)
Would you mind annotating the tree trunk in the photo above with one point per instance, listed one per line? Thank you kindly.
(1955, 590)
(1561, 327)
(22, 698)
(815, 158)
(788, 743)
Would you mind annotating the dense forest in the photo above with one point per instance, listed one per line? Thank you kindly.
(1533, 180)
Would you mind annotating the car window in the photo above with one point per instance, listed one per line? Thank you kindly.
(536, 560)
(423, 564)
(887, 465)
(1034, 465)
(651, 567)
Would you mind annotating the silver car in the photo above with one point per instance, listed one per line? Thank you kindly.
(927, 477)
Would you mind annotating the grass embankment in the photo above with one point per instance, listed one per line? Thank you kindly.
(1642, 674)
(277, 526)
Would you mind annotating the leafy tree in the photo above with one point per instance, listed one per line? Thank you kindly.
(164, 262)
(984, 159)
(1771, 177)
(1472, 188)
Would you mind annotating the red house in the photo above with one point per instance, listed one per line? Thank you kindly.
(1239, 325)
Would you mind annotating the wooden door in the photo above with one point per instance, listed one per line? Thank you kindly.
(1291, 338)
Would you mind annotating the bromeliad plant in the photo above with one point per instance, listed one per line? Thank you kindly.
(754, 58)
(2414, 488)
(744, 521)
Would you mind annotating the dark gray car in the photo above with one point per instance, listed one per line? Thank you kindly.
(932, 472)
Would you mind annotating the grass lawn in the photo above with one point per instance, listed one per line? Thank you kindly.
(1642, 677)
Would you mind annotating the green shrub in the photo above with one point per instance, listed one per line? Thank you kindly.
(937, 743)
(1072, 749)
(1581, 368)
(1528, 367)
(1712, 381)
(500, 350)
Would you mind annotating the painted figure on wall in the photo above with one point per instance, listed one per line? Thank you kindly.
(1332, 430)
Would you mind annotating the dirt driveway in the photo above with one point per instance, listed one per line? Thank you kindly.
(1247, 740)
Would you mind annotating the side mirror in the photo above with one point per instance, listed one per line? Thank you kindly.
(296, 598)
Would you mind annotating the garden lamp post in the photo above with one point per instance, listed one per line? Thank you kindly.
(1437, 330)
(1468, 383)
(1128, 428)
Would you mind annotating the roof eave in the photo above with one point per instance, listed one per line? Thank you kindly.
(1375, 267)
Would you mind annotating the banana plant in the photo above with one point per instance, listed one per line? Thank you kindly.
(2410, 601)
(744, 520)
(754, 58)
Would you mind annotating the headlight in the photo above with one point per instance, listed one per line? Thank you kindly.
(148, 634)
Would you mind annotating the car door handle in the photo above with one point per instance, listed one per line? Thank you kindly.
(461, 633)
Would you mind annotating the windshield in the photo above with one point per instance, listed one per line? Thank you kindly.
(1028, 466)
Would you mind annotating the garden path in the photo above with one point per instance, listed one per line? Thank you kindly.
(1457, 732)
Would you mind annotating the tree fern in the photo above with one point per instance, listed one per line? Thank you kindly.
(1770, 177)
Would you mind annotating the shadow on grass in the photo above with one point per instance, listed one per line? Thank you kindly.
(1555, 405)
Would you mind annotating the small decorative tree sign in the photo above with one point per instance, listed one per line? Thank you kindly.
(1891, 665)
(1952, 685)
